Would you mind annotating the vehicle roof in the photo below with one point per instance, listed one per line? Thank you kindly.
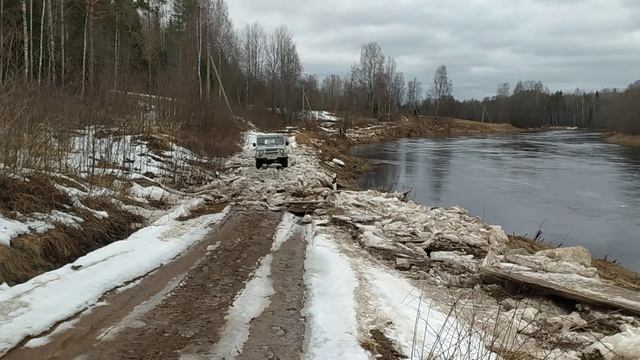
(270, 135)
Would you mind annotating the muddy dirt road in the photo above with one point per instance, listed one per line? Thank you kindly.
(182, 308)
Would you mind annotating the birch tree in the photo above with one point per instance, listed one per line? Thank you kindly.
(370, 68)
(414, 94)
(442, 86)
(25, 33)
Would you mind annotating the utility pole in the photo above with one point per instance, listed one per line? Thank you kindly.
(222, 91)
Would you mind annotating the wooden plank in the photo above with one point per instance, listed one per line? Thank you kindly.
(578, 288)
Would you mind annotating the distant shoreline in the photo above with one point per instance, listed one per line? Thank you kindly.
(623, 139)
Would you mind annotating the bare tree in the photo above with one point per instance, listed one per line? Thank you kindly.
(504, 90)
(398, 89)
(116, 50)
(442, 86)
(370, 68)
(41, 43)
(25, 34)
(283, 70)
(414, 94)
(31, 38)
(52, 44)
(63, 67)
(254, 41)
(84, 48)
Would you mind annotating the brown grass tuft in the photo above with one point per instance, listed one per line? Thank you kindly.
(36, 193)
(532, 246)
(618, 274)
(34, 254)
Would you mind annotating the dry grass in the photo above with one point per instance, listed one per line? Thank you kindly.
(623, 139)
(619, 275)
(34, 254)
(532, 246)
(34, 193)
(468, 127)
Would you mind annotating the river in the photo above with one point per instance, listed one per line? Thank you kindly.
(577, 188)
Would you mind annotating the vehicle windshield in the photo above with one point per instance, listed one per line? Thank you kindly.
(271, 140)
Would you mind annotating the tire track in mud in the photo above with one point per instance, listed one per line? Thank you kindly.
(178, 309)
(278, 333)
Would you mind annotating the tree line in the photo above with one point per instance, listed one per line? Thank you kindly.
(374, 87)
(190, 49)
(176, 48)
(531, 105)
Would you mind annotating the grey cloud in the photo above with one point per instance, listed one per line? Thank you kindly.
(589, 44)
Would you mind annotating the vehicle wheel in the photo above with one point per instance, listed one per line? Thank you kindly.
(284, 162)
(258, 164)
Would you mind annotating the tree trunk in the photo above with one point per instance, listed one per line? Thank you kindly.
(219, 67)
(115, 56)
(1, 42)
(62, 38)
(91, 47)
(31, 38)
(26, 40)
(52, 44)
(199, 39)
(84, 50)
(208, 72)
(41, 43)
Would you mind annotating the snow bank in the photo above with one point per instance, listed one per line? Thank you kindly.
(34, 307)
(330, 308)
(9, 229)
(422, 331)
(36, 223)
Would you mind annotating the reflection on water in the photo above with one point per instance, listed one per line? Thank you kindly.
(579, 189)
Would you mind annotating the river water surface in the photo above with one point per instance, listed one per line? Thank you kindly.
(577, 188)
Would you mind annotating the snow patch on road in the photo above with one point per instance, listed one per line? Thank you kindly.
(251, 302)
(284, 230)
(41, 341)
(330, 308)
(32, 308)
(253, 299)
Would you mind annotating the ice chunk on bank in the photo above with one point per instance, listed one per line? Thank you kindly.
(624, 345)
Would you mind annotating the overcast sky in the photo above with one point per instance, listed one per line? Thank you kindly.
(590, 44)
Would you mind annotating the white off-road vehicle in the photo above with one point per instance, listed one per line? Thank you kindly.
(270, 149)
